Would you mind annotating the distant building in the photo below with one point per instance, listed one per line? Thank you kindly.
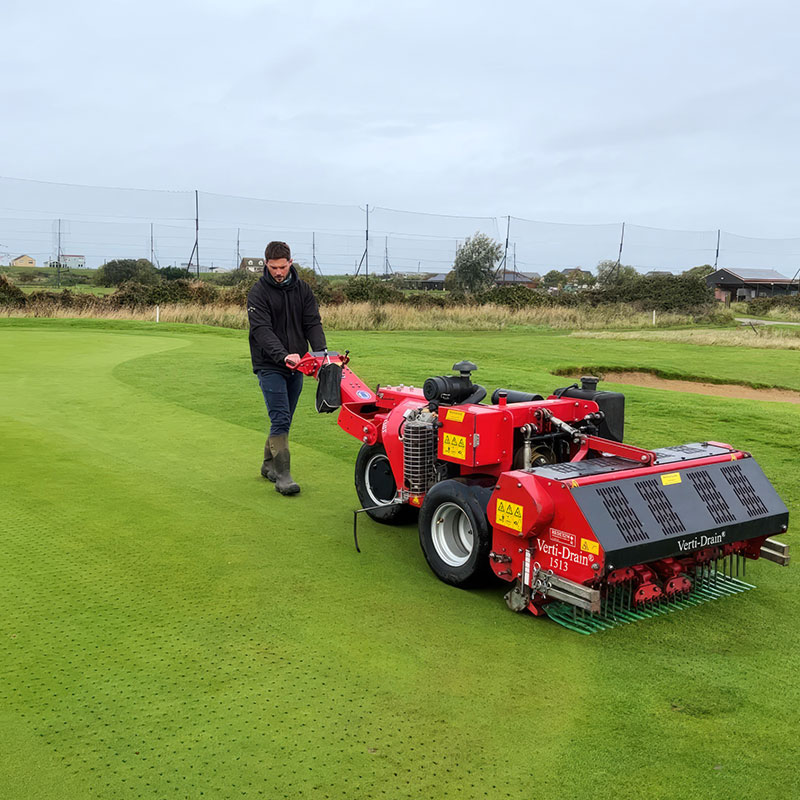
(515, 278)
(746, 284)
(73, 262)
(435, 282)
(23, 261)
(428, 282)
(657, 273)
(577, 278)
(419, 280)
(252, 264)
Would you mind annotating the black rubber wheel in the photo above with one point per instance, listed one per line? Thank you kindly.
(455, 534)
(375, 486)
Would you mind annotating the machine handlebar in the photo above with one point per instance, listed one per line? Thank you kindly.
(311, 362)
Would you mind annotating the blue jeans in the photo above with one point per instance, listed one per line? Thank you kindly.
(281, 393)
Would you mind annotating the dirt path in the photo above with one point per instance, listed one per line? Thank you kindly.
(754, 321)
(714, 389)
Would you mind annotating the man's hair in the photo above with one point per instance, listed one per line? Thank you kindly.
(275, 250)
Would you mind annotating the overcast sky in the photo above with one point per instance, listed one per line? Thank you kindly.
(671, 114)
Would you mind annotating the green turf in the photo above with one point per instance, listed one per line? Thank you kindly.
(171, 627)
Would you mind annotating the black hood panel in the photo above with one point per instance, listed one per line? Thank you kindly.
(658, 515)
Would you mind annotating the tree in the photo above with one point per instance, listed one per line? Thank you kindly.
(553, 278)
(10, 295)
(610, 272)
(175, 273)
(475, 262)
(699, 272)
(310, 277)
(119, 270)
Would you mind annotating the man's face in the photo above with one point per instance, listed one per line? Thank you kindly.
(279, 268)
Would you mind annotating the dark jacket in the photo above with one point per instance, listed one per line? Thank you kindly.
(283, 318)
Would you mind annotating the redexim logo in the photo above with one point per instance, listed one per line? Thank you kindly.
(701, 541)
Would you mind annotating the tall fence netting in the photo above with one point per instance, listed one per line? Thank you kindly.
(45, 220)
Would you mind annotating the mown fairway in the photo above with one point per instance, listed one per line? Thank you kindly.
(171, 627)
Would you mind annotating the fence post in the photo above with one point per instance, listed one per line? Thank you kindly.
(158, 313)
(197, 229)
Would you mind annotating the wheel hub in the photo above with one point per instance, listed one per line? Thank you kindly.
(452, 534)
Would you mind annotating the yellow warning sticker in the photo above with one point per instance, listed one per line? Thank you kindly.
(454, 414)
(670, 478)
(509, 515)
(589, 546)
(454, 446)
(575, 484)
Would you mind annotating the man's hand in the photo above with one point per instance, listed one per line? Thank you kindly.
(292, 360)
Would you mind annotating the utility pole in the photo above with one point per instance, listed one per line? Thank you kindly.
(505, 252)
(314, 264)
(152, 252)
(196, 248)
(58, 257)
(619, 256)
(238, 256)
(716, 256)
(387, 267)
(197, 229)
(366, 248)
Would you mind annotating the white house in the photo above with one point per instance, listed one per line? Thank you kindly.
(73, 262)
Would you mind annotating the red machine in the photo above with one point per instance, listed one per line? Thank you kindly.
(543, 493)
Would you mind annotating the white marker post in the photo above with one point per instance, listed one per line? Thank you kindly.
(158, 314)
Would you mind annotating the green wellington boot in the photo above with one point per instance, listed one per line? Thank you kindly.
(267, 467)
(284, 483)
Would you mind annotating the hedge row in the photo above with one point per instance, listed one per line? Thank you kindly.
(761, 306)
(661, 293)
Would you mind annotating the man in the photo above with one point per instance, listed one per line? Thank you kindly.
(284, 318)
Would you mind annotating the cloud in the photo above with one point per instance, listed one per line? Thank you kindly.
(676, 115)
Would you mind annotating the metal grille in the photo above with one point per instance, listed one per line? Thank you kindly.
(419, 456)
(685, 448)
(628, 522)
(567, 468)
(709, 494)
(744, 490)
(660, 507)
